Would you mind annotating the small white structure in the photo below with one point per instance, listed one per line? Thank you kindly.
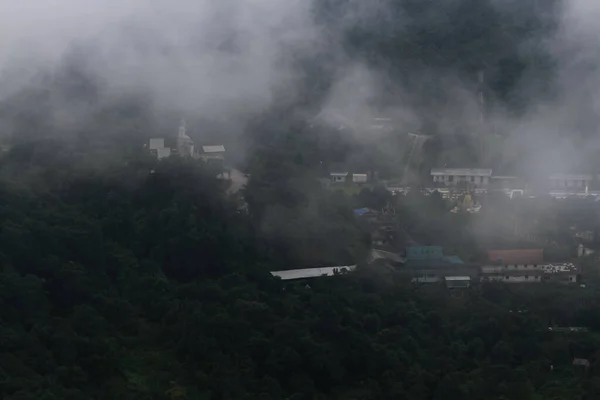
(213, 152)
(458, 281)
(312, 272)
(338, 177)
(359, 178)
(157, 143)
(452, 176)
(561, 181)
(163, 153)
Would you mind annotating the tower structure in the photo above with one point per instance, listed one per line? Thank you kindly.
(185, 145)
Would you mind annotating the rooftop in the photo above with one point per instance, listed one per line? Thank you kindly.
(213, 149)
(311, 272)
(458, 278)
(504, 257)
(461, 171)
(339, 174)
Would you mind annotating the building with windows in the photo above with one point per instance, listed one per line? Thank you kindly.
(454, 176)
(513, 266)
(567, 181)
(525, 266)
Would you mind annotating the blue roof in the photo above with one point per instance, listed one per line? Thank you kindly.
(454, 259)
(363, 211)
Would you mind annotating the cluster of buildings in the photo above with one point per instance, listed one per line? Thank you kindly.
(428, 264)
(184, 146)
(392, 248)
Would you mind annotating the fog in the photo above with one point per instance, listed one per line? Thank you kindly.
(226, 60)
(205, 57)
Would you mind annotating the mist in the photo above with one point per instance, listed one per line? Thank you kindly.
(209, 58)
(225, 62)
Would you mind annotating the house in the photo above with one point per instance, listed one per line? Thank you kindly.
(359, 178)
(157, 143)
(338, 177)
(513, 266)
(454, 176)
(566, 181)
(213, 152)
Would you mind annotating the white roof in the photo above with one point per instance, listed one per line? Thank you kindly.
(310, 272)
(461, 171)
(360, 175)
(458, 278)
(213, 149)
(339, 174)
(157, 143)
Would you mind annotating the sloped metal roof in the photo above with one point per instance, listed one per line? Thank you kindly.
(311, 272)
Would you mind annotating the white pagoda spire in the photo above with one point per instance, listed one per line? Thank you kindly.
(182, 129)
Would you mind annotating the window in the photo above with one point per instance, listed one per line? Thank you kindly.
(526, 276)
(506, 277)
(534, 265)
(450, 178)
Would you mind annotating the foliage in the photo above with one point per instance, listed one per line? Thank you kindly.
(137, 285)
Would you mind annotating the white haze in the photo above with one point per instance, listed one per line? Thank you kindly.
(225, 59)
(203, 56)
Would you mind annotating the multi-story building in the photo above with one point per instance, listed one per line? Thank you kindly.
(525, 266)
(455, 176)
(569, 181)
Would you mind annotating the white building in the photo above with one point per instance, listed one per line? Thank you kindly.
(563, 181)
(338, 177)
(216, 152)
(157, 143)
(452, 176)
(359, 178)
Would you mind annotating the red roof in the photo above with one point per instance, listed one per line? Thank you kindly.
(505, 257)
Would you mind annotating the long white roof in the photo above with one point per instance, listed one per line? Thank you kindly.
(458, 278)
(462, 171)
(213, 149)
(310, 272)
